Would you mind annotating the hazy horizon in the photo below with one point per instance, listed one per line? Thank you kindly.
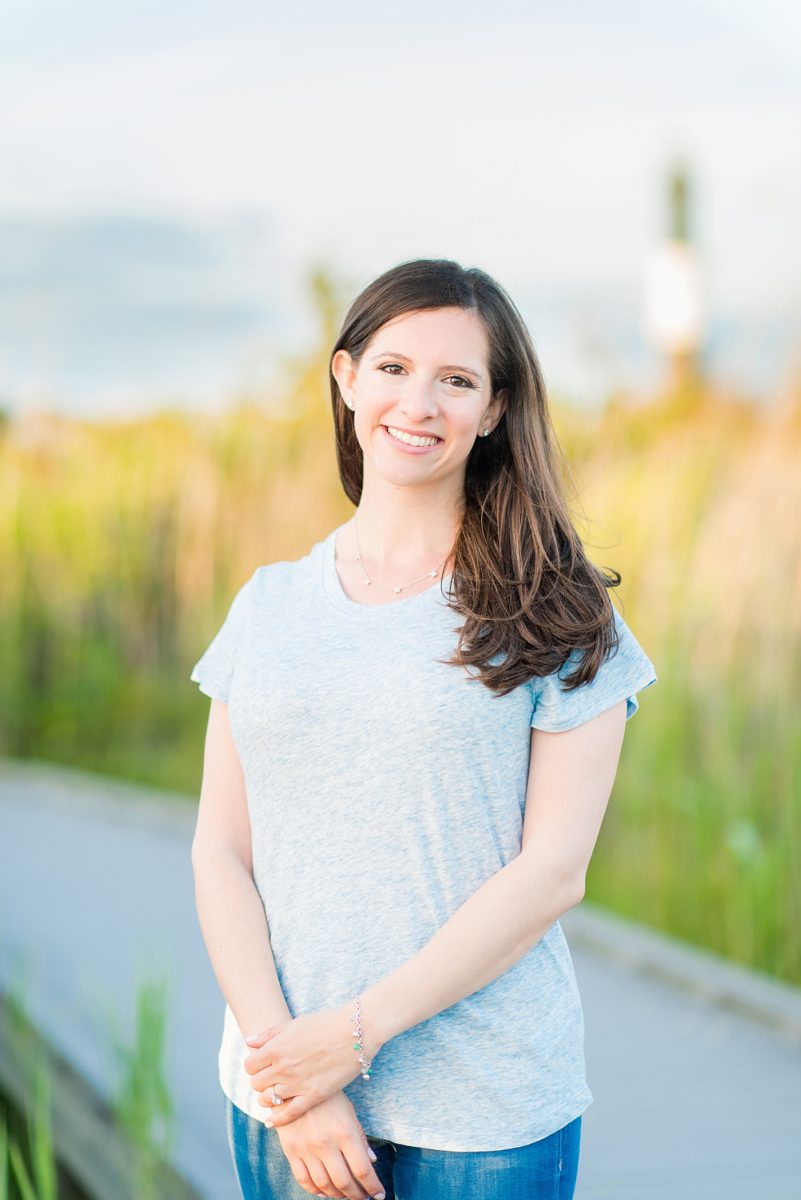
(173, 174)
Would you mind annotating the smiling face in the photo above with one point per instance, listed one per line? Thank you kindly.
(423, 375)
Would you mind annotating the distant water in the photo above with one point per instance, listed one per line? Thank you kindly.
(122, 314)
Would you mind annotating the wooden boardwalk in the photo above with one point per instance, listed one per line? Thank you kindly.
(692, 1101)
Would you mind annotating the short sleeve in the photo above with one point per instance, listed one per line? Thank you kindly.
(214, 670)
(620, 677)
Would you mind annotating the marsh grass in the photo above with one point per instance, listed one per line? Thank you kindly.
(141, 1106)
(127, 542)
(31, 1166)
(28, 1166)
(141, 1100)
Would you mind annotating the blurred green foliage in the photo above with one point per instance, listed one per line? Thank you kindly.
(127, 541)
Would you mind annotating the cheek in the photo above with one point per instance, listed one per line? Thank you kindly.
(368, 418)
(375, 401)
(370, 412)
(463, 426)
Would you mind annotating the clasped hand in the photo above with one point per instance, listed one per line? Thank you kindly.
(306, 1058)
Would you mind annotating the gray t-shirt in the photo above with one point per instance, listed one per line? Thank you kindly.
(384, 788)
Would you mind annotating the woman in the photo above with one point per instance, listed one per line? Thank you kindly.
(397, 806)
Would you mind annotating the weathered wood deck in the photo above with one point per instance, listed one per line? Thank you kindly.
(692, 1100)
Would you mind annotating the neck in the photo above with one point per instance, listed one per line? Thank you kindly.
(401, 533)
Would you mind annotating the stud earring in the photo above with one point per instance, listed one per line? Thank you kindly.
(484, 434)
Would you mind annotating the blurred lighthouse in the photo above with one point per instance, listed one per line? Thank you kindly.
(672, 315)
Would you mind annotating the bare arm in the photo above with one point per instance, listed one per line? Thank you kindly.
(569, 783)
(326, 1148)
(229, 907)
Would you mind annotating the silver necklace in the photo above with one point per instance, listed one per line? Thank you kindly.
(358, 558)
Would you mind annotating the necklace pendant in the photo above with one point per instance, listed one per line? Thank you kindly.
(395, 590)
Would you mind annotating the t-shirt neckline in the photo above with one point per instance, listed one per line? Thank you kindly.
(337, 596)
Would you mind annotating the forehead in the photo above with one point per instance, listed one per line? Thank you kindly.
(437, 333)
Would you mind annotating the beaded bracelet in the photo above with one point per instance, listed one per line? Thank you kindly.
(359, 1044)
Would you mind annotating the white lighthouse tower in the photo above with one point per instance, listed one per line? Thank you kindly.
(673, 316)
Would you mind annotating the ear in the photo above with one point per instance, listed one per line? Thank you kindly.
(498, 406)
(344, 371)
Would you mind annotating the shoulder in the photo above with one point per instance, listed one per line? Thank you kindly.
(283, 579)
(626, 670)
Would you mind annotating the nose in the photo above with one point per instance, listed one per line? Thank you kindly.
(418, 401)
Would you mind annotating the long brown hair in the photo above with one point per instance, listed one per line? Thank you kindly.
(521, 579)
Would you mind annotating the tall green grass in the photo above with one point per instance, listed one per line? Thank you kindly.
(28, 1169)
(141, 1102)
(126, 542)
(142, 1109)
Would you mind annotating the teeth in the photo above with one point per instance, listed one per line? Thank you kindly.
(412, 441)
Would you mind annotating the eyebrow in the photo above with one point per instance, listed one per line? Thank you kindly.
(444, 367)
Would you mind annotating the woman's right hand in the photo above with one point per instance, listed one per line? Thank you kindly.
(327, 1150)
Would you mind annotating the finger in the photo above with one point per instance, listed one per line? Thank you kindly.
(356, 1155)
(255, 1061)
(320, 1182)
(265, 1077)
(301, 1173)
(282, 1114)
(264, 1068)
(342, 1176)
(334, 1193)
(264, 1096)
(363, 1142)
(254, 1039)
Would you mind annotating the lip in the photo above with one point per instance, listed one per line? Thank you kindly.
(404, 446)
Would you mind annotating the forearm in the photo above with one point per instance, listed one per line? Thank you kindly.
(237, 937)
(490, 932)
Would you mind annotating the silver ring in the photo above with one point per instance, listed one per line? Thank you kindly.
(274, 1097)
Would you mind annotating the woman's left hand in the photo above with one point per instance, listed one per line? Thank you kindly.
(306, 1059)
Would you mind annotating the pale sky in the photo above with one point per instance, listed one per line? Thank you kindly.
(524, 138)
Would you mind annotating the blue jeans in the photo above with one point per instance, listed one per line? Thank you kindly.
(543, 1170)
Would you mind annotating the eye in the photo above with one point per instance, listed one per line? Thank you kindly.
(466, 382)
